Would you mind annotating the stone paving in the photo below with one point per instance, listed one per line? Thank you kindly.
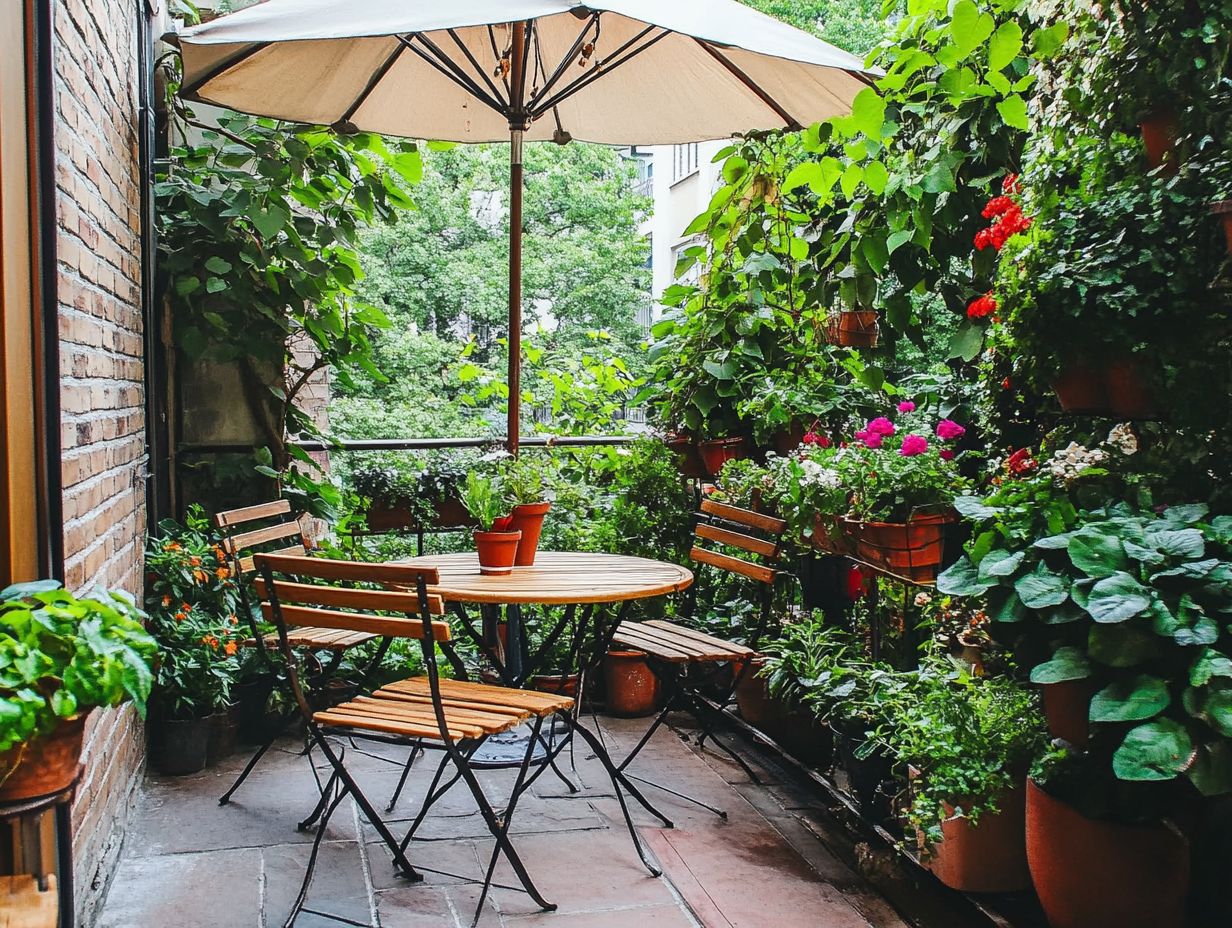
(189, 863)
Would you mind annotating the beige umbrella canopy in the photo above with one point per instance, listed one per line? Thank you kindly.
(624, 72)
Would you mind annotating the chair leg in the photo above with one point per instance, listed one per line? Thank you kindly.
(406, 771)
(326, 797)
(430, 799)
(312, 862)
(700, 711)
(256, 758)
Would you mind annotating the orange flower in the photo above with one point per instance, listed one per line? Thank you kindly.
(171, 546)
(211, 640)
(194, 561)
(166, 601)
(185, 607)
(233, 620)
(222, 573)
(231, 648)
(199, 575)
(180, 617)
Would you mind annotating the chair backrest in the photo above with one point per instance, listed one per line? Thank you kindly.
(338, 603)
(753, 533)
(269, 528)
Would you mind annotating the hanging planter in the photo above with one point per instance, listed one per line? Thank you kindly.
(913, 549)
(1160, 130)
(497, 551)
(1127, 386)
(716, 452)
(43, 766)
(853, 329)
(1097, 874)
(449, 513)
(1081, 388)
(689, 459)
(989, 856)
(528, 519)
(830, 536)
(1223, 210)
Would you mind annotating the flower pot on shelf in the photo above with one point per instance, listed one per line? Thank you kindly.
(632, 688)
(830, 536)
(716, 452)
(181, 746)
(386, 517)
(1223, 210)
(528, 519)
(989, 856)
(1067, 707)
(1128, 389)
(497, 551)
(1082, 388)
(1159, 133)
(854, 329)
(689, 459)
(1095, 874)
(913, 549)
(44, 765)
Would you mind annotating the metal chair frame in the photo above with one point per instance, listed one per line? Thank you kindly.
(456, 751)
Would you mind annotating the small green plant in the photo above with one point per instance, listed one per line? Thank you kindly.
(526, 479)
(62, 655)
(485, 501)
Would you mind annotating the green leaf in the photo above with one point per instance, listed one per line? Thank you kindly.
(1186, 514)
(1117, 598)
(867, 113)
(807, 173)
(1047, 42)
(1210, 664)
(967, 341)
(968, 27)
(215, 285)
(1187, 543)
(1158, 750)
(895, 240)
(1217, 710)
(217, 265)
(962, 579)
(1042, 589)
(851, 179)
(1067, 664)
(1211, 772)
(1097, 554)
(1004, 46)
(1013, 110)
(269, 222)
(974, 509)
(1000, 563)
(1136, 700)
(876, 177)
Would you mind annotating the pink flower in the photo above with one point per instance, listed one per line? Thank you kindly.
(947, 454)
(881, 426)
(906, 406)
(948, 430)
(913, 445)
(869, 439)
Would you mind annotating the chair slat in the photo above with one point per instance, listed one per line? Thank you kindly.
(307, 594)
(758, 520)
(700, 637)
(737, 540)
(733, 564)
(410, 729)
(352, 621)
(322, 568)
(234, 544)
(248, 565)
(233, 517)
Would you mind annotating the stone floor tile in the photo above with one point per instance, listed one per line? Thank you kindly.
(213, 889)
(338, 884)
(657, 916)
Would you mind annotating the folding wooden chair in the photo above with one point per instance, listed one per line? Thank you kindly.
(675, 650)
(273, 529)
(454, 716)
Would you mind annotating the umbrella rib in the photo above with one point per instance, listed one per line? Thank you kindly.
(601, 71)
(221, 68)
(471, 88)
(453, 34)
(377, 77)
(752, 85)
(561, 68)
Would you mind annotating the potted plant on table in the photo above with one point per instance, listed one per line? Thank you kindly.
(525, 481)
(193, 603)
(495, 540)
(60, 657)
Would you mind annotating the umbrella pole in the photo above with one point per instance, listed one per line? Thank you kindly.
(515, 290)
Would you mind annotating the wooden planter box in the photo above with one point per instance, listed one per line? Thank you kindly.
(450, 513)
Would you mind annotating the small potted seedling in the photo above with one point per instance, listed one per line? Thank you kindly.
(495, 542)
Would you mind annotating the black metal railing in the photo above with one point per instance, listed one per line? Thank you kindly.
(425, 444)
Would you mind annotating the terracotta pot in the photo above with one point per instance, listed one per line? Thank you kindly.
(1127, 386)
(1223, 210)
(554, 683)
(528, 519)
(1082, 388)
(1067, 706)
(450, 513)
(43, 766)
(1091, 874)
(182, 746)
(829, 536)
(913, 549)
(716, 452)
(631, 686)
(853, 329)
(688, 457)
(1159, 134)
(754, 701)
(785, 442)
(988, 857)
(497, 551)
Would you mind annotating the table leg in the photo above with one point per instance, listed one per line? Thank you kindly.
(64, 870)
(516, 646)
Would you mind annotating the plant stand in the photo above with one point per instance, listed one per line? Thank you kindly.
(29, 897)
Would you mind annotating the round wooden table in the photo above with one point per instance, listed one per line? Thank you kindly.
(558, 578)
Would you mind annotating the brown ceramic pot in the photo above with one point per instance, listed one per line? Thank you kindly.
(528, 519)
(689, 459)
(853, 329)
(497, 551)
(718, 451)
(1159, 134)
(1128, 388)
(1082, 388)
(1091, 874)
(1067, 706)
(43, 766)
(988, 857)
(555, 683)
(632, 688)
(911, 549)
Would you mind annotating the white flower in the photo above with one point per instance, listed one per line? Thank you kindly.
(815, 475)
(1122, 438)
(1072, 461)
(922, 599)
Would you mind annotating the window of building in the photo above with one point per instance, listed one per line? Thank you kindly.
(684, 160)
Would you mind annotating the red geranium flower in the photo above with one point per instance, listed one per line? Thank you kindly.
(981, 307)
(1021, 463)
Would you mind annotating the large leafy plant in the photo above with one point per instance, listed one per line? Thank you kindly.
(62, 655)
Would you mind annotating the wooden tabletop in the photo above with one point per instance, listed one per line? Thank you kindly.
(557, 578)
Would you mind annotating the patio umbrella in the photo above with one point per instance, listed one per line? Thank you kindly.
(649, 72)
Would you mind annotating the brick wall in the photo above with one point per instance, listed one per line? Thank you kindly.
(102, 434)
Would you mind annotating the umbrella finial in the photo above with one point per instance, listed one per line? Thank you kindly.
(561, 136)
